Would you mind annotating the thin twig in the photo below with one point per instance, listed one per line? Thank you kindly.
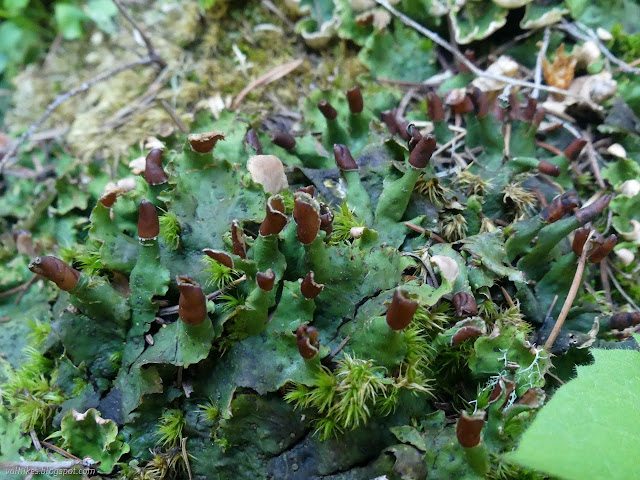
(556, 378)
(185, 457)
(590, 35)
(507, 297)
(621, 290)
(63, 97)
(58, 450)
(155, 58)
(434, 37)
(19, 288)
(593, 161)
(537, 75)
(24, 290)
(172, 310)
(553, 304)
(571, 296)
(604, 279)
(174, 116)
(274, 9)
(267, 78)
(47, 466)
(337, 350)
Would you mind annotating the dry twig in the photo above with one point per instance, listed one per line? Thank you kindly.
(537, 75)
(269, 77)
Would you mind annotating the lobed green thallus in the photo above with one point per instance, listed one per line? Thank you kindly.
(242, 298)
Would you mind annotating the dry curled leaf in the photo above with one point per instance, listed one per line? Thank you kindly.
(560, 73)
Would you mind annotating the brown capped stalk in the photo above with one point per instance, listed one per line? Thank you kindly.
(275, 220)
(559, 207)
(469, 428)
(394, 124)
(515, 112)
(530, 110)
(344, 159)
(354, 97)
(220, 257)
(479, 100)
(251, 139)
(307, 339)
(284, 140)
(192, 305)
(548, 168)
(309, 288)
(54, 269)
(327, 110)
(309, 190)
(307, 217)
(238, 241)
(538, 116)
(153, 172)
(435, 107)
(401, 311)
(601, 251)
(465, 305)
(574, 148)
(204, 142)
(580, 237)
(148, 223)
(503, 383)
(589, 213)
(623, 320)
(266, 280)
(458, 100)
(421, 154)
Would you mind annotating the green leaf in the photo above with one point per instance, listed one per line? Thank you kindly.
(621, 170)
(605, 13)
(102, 13)
(14, 7)
(477, 20)
(401, 55)
(11, 440)
(90, 435)
(581, 432)
(69, 19)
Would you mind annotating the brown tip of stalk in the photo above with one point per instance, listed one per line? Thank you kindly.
(309, 288)
(354, 97)
(54, 269)
(327, 110)
(421, 154)
(515, 112)
(574, 148)
(401, 311)
(192, 305)
(548, 168)
(284, 140)
(344, 159)
(153, 172)
(559, 207)
(504, 383)
(309, 190)
(390, 120)
(307, 339)
(465, 333)
(238, 241)
(148, 223)
(251, 139)
(459, 101)
(532, 397)
(221, 257)
(469, 428)
(414, 136)
(326, 219)
(579, 239)
(266, 280)
(600, 252)
(538, 116)
(590, 212)
(275, 220)
(623, 320)
(530, 109)
(204, 142)
(465, 305)
(435, 107)
(307, 217)
(479, 99)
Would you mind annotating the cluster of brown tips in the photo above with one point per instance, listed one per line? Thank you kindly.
(469, 429)
(307, 339)
(192, 305)
(54, 269)
(560, 206)
(465, 305)
(600, 248)
(401, 311)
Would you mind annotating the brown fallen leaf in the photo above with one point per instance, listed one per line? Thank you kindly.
(559, 73)
(269, 77)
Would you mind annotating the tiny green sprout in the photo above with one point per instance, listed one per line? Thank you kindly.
(219, 275)
(88, 259)
(343, 221)
(388, 403)
(170, 428)
(327, 427)
(79, 384)
(419, 355)
(39, 331)
(170, 230)
(116, 359)
(209, 412)
(472, 184)
(228, 303)
(67, 253)
(288, 200)
(433, 320)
